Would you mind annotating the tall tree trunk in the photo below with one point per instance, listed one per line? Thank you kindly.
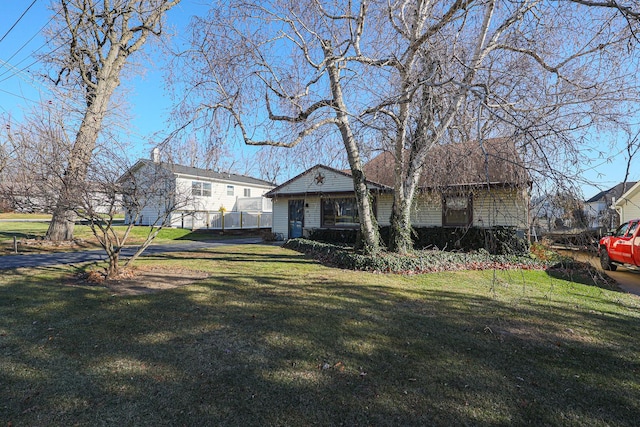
(113, 268)
(73, 183)
(62, 223)
(400, 236)
(368, 223)
(406, 185)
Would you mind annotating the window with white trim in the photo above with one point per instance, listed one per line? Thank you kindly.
(247, 192)
(199, 188)
(230, 190)
(340, 212)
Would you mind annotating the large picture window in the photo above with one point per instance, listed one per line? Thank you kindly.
(456, 210)
(339, 212)
(199, 188)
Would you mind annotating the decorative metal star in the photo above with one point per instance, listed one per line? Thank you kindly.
(319, 179)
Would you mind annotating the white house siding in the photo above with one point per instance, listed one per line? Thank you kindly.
(312, 213)
(148, 216)
(384, 203)
(331, 182)
(495, 208)
(219, 197)
(280, 226)
(629, 205)
(306, 183)
(152, 211)
(427, 210)
(506, 207)
(630, 210)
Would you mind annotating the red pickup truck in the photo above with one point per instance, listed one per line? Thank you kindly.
(621, 247)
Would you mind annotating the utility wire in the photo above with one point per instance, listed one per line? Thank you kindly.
(19, 19)
(29, 41)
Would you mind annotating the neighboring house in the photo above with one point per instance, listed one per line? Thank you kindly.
(545, 214)
(39, 196)
(25, 196)
(463, 185)
(628, 204)
(557, 212)
(599, 209)
(198, 198)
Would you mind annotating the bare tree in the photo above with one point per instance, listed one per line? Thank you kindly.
(93, 43)
(37, 148)
(632, 147)
(289, 99)
(416, 73)
(114, 187)
(5, 149)
(468, 66)
(269, 162)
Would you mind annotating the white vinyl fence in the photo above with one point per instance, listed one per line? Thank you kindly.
(222, 221)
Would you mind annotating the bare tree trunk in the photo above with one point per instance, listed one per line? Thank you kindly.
(62, 222)
(113, 269)
(407, 183)
(368, 223)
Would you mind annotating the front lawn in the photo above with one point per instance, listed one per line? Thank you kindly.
(273, 338)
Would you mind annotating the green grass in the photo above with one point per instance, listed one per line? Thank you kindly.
(23, 216)
(22, 229)
(272, 338)
(36, 216)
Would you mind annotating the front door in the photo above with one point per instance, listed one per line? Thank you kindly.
(296, 218)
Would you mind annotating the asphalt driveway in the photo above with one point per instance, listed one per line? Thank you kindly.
(57, 258)
(628, 279)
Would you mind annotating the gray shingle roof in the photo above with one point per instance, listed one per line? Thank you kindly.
(460, 164)
(615, 191)
(207, 173)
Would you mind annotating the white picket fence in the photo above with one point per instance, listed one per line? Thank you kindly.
(222, 221)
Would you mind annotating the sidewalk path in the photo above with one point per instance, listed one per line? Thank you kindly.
(56, 258)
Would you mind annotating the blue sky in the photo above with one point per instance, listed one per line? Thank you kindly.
(149, 101)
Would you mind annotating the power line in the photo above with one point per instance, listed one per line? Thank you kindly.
(29, 41)
(17, 96)
(19, 19)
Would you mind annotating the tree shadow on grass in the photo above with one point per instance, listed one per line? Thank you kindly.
(218, 235)
(6, 235)
(262, 347)
(223, 254)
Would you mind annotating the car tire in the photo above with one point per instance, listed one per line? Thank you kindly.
(605, 261)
